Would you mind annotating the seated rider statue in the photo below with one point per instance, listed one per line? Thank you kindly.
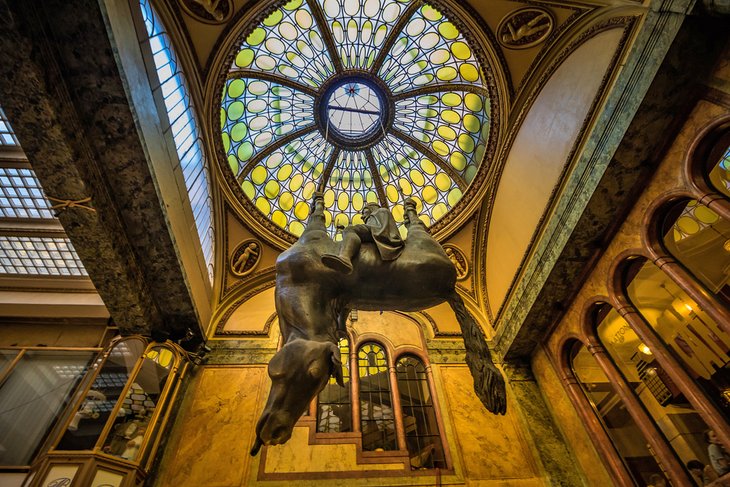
(379, 227)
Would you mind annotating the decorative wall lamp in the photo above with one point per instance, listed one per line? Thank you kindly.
(115, 425)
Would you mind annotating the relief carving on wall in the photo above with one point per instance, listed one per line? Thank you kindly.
(525, 28)
(457, 257)
(245, 258)
(209, 11)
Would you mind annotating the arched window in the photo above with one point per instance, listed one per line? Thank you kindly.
(183, 128)
(680, 424)
(334, 407)
(625, 435)
(700, 344)
(699, 238)
(376, 402)
(419, 418)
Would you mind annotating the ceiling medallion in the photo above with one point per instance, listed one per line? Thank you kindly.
(526, 27)
(364, 101)
(209, 11)
(245, 257)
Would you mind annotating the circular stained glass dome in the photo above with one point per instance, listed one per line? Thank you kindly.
(363, 100)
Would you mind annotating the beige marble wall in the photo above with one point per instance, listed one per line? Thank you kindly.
(489, 447)
(214, 430)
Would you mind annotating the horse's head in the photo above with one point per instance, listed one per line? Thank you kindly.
(299, 371)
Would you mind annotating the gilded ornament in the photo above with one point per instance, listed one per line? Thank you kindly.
(245, 258)
(457, 257)
(209, 11)
(525, 28)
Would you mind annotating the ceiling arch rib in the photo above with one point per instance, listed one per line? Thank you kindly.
(403, 18)
(272, 148)
(329, 41)
(274, 78)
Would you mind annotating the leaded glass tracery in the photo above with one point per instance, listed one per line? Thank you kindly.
(363, 100)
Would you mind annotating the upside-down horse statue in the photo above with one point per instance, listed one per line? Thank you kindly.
(319, 281)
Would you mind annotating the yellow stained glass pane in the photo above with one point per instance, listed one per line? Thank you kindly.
(244, 58)
(431, 13)
(271, 190)
(256, 37)
(451, 99)
(439, 210)
(458, 161)
(430, 195)
(258, 175)
(296, 182)
(236, 88)
(460, 50)
(706, 215)
(473, 102)
(296, 228)
(454, 196)
(233, 164)
(448, 30)
(447, 132)
(343, 201)
(398, 213)
(472, 123)
(308, 190)
(466, 143)
(417, 177)
(341, 220)
(371, 197)
(279, 218)
(405, 186)
(469, 72)
(263, 205)
(450, 116)
(443, 182)
(440, 148)
(248, 189)
(301, 211)
(226, 142)
(392, 193)
(688, 225)
(286, 201)
(446, 74)
(284, 172)
(235, 110)
(428, 166)
(293, 5)
(274, 18)
(329, 198)
(358, 201)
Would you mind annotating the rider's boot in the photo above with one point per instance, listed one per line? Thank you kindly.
(343, 261)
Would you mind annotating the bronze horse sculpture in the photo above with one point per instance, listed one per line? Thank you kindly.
(313, 302)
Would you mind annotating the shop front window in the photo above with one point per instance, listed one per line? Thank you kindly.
(621, 428)
(699, 238)
(681, 425)
(696, 340)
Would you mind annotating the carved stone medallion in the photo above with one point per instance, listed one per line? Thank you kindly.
(525, 28)
(457, 257)
(209, 11)
(245, 258)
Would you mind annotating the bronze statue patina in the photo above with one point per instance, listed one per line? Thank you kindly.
(313, 301)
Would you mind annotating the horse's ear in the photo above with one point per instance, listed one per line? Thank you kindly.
(336, 366)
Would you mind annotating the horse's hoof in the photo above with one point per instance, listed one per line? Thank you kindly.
(337, 263)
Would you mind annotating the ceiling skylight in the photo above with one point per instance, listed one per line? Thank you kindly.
(366, 101)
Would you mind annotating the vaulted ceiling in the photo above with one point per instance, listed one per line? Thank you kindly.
(582, 97)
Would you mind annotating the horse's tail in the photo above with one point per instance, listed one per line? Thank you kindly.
(488, 381)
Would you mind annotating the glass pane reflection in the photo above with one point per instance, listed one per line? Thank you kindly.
(88, 422)
(619, 425)
(679, 422)
(132, 421)
(684, 327)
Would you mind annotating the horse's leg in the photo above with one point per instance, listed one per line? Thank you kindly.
(488, 381)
